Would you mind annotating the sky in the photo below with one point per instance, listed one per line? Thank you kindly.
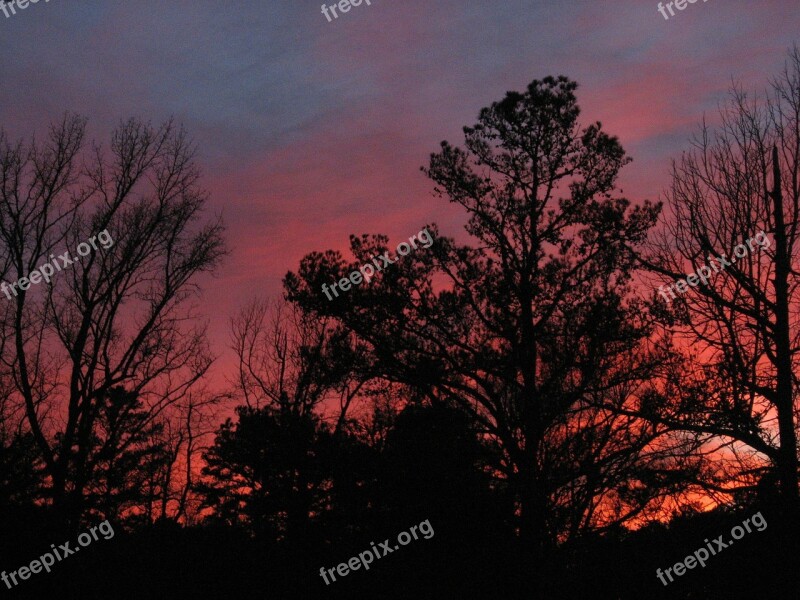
(309, 131)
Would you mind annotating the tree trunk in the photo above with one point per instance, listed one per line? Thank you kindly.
(787, 455)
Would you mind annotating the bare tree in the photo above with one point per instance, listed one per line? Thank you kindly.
(292, 361)
(741, 181)
(186, 432)
(118, 316)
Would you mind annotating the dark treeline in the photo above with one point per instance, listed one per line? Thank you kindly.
(564, 427)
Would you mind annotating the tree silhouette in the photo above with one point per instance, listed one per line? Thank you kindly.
(293, 361)
(118, 316)
(538, 333)
(21, 481)
(515, 388)
(435, 467)
(264, 472)
(127, 450)
(279, 463)
(739, 181)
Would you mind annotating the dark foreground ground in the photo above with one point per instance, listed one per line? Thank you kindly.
(168, 562)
